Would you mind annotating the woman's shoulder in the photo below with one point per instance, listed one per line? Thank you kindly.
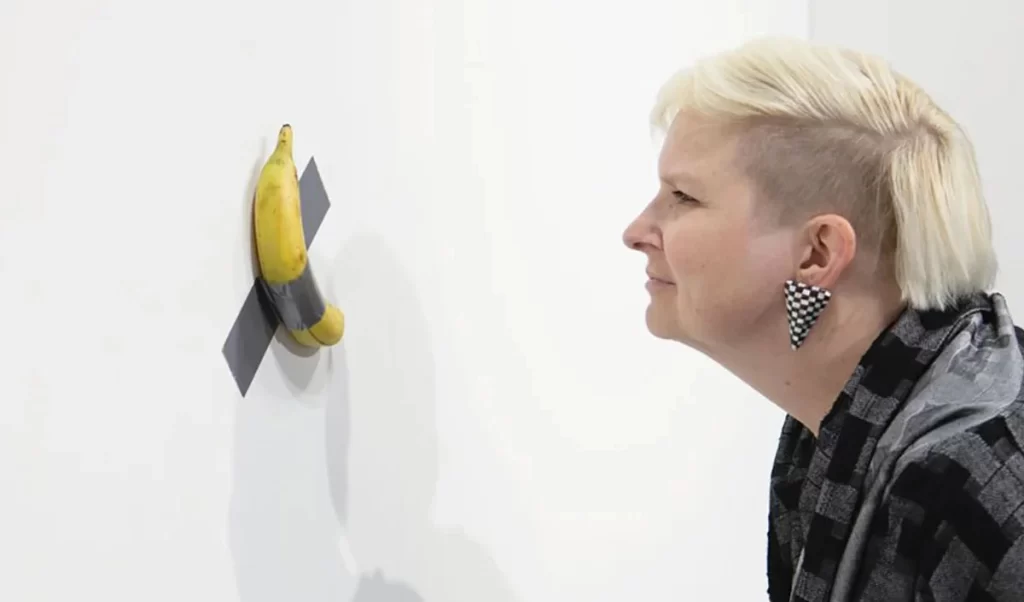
(958, 504)
(972, 452)
(959, 436)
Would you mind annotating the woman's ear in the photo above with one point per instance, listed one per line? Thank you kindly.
(826, 246)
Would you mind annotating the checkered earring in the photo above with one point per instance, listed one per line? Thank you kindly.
(804, 303)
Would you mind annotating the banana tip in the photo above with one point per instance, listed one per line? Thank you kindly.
(284, 137)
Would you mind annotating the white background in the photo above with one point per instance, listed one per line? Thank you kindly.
(497, 425)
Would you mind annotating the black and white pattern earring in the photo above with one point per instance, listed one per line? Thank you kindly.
(804, 303)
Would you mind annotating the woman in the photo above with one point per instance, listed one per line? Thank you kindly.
(820, 231)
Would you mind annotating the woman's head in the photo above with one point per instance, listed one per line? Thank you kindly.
(784, 159)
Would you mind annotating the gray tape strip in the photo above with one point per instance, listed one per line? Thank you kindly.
(298, 303)
(250, 337)
(254, 327)
(314, 200)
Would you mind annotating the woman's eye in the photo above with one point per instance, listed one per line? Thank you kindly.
(682, 197)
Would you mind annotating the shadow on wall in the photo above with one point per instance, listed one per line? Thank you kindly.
(365, 458)
(384, 493)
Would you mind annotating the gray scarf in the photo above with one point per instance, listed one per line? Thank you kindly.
(914, 489)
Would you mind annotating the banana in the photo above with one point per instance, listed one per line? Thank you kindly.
(285, 272)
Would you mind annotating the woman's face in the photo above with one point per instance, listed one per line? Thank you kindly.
(716, 265)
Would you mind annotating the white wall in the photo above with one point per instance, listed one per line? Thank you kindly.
(498, 425)
(970, 58)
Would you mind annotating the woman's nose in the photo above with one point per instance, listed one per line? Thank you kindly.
(640, 234)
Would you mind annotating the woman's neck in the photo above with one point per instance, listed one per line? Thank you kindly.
(806, 382)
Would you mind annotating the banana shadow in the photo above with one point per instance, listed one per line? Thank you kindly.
(381, 443)
(283, 533)
(248, 203)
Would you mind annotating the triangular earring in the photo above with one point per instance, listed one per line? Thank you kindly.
(804, 303)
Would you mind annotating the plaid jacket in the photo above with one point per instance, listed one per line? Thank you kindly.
(914, 490)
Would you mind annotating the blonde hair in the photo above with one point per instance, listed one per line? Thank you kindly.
(829, 127)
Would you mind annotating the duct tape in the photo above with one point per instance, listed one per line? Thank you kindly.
(257, 320)
(299, 303)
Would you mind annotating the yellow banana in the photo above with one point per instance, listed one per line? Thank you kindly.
(281, 250)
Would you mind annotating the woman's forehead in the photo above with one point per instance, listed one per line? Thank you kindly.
(696, 151)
